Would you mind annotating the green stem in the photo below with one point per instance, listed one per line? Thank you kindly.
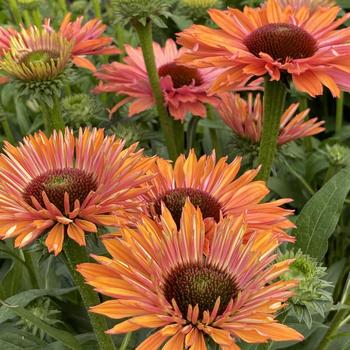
(97, 8)
(63, 5)
(52, 117)
(274, 98)
(339, 114)
(27, 19)
(7, 130)
(214, 134)
(302, 106)
(120, 34)
(16, 14)
(36, 15)
(338, 320)
(191, 132)
(76, 255)
(145, 36)
(126, 341)
(31, 268)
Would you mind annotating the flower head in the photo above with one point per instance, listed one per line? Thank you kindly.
(245, 118)
(36, 55)
(159, 277)
(87, 39)
(5, 38)
(67, 185)
(184, 89)
(273, 40)
(214, 187)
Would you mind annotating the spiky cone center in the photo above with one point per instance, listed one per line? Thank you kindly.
(282, 41)
(55, 183)
(175, 200)
(37, 55)
(199, 284)
(180, 75)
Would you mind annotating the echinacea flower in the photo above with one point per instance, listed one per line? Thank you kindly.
(313, 5)
(36, 55)
(87, 39)
(245, 118)
(216, 189)
(160, 278)
(67, 185)
(5, 37)
(185, 89)
(273, 40)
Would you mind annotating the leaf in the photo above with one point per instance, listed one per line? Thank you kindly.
(318, 219)
(12, 338)
(63, 336)
(24, 298)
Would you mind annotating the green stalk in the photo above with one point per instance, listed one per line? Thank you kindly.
(97, 8)
(145, 36)
(126, 341)
(274, 98)
(36, 15)
(63, 5)
(302, 106)
(27, 19)
(7, 130)
(214, 134)
(76, 255)
(16, 14)
(120, 34)
(52, 116)
(338, 320)
(191, 132)
(339, 114)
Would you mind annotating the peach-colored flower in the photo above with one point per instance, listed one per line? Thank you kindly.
(67, 185)
(245, 118)
(5, 37)
(215, 187)
(185, 89)
(272, 40)
(88, 40)
(159, 277)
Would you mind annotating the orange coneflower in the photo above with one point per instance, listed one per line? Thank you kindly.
(216, 189)
(160, 278)
(87, 39)
(67, 185)
(272, 40)
(245, 118)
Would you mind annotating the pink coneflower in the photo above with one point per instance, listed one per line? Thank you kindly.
(185, 89)
(272, 40)
(160, 278)
(245, 118)
(88, 40)
(5, 38)
(67, 185)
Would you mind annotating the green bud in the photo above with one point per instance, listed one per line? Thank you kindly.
(337, 155)
(29, 4)
(313, 294)
(198, 9)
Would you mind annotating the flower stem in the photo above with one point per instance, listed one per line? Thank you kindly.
(7, 130)
(274, 98)
(126, 341)
(145, 36)
(76, 255)
(302, 106)
(52, 116)
(214, 133)
(339, 114)
(338, 320)
(191, 132)
(16, 14)
(97, 8)
(36, 15)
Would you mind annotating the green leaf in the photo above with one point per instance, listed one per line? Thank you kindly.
(60, 335)
(318, 219)
(24, 298)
